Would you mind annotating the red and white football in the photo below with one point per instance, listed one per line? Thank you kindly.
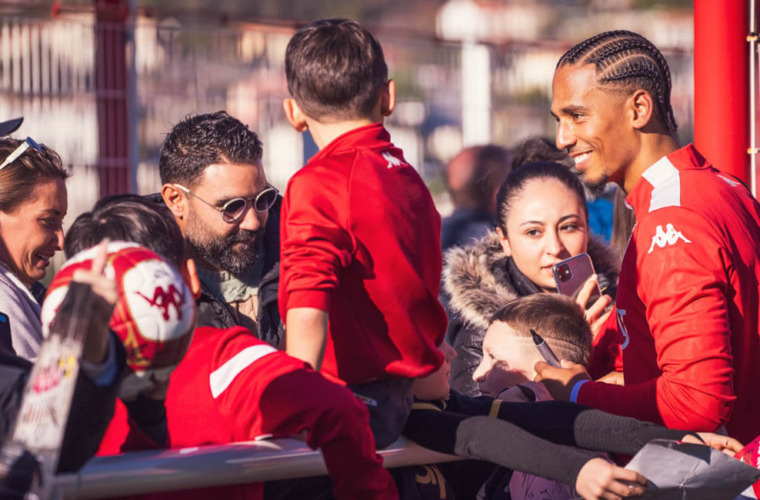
(154, 316)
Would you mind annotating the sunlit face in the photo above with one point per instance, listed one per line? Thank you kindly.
(592, 126)
(233, 247)
(33, 233)
(545, 224)
(436, 385)
(508, 360)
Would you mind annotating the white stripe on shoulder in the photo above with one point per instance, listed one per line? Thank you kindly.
(666, 184)
(222, 377)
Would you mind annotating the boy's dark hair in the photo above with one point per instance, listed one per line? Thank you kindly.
(557, 318)
(335, 69)
(128, 217)
(199, 141)
(627, 61)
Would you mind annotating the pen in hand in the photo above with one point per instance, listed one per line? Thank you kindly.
(545, 350)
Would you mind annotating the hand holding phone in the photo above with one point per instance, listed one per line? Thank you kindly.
(571, 274)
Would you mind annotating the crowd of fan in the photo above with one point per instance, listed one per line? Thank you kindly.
(333, 313)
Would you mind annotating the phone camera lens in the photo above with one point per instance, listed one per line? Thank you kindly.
(564, 273)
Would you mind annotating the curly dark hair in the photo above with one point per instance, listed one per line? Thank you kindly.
(202, 140)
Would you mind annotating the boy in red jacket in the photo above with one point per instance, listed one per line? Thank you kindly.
(360, 260)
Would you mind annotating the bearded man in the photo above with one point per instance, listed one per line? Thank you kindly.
(214, 184)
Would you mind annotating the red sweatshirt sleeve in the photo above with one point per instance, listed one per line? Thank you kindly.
(683, 285)
(315, 242)
(265, 391)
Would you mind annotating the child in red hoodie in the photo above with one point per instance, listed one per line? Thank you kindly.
(360, 235)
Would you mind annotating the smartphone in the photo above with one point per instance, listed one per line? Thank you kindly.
(570, 275)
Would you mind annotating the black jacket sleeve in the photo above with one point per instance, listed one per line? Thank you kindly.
(577, 425)
(497, 441)
(536, 438)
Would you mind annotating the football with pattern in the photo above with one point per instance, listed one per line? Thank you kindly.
(154, 316)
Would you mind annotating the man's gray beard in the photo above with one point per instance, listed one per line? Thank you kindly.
(597, 187)
(219, 252)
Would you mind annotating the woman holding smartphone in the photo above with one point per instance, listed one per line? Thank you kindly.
(542, 219)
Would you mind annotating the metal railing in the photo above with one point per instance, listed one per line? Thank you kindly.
(217, 465)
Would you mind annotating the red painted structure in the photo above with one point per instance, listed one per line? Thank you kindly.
(721, 84)
(112, 95)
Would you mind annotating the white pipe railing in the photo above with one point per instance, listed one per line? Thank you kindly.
(203, 466)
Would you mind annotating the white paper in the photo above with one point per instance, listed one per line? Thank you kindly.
(683, 471)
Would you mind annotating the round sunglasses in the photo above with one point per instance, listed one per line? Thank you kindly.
(234, 209)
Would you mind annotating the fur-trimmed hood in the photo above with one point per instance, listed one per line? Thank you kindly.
(477, 285)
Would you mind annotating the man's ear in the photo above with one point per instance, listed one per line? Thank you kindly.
(504, 242)
(388, 98)
(294, 114)
(175, 200)
(190, 275)
(641, 108)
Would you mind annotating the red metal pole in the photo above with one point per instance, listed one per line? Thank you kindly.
(721, 84)
(111, 83)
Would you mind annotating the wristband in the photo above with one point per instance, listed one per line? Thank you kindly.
(576, 390)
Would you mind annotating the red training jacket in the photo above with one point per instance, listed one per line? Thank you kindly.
(688, 302)
(360, 240)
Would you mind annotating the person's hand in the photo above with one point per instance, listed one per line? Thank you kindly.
(104, 297)
(600, 479)
(596, 316)
(727, 445)
(560, 381)
(613, 377)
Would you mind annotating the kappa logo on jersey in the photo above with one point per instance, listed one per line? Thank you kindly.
(668, 237)
(392, 160)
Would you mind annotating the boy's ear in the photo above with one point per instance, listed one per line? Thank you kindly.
(294, 114)
(641, 109)
(388, 98)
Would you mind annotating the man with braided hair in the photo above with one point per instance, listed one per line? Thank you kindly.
(687, 301)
